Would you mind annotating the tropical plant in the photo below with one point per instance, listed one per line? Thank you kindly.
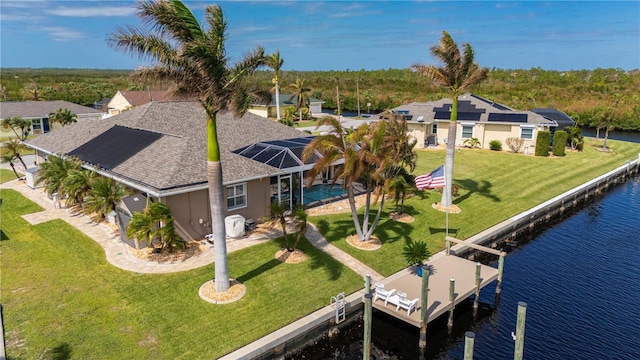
(8, 158)
(274, 61)
(77, 184)
(18, 122)
(495, 145)
(575, 137)
(280, 212)
(472, 142)
(14, 147)
(155, 222)
(105, 193)
(515, 144)
(458, 73)
(32, 91)
(54, 171)
(371, 154)
(301, 222)
(399, 187)
(195, 61)
(63, 117)
(604, 118)
(416, 253)
(301, 95)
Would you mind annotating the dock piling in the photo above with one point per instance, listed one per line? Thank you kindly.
(478, 282)
(452, 288)
(469, 339)
(499, 283)
(424, 308)
(520, 321)
(366, 351)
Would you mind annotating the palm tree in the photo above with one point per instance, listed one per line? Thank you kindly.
(399, 187)
(301, 95)
(77, 185)
(274, 61)
(458, 73)
(18, 122)
(14, 147)
(280, 212)
(54, 171)
(300, 220)
(154, 222)
(369, 154)
(63, 117)
(105, 193)
(8, 158)
(195, 61)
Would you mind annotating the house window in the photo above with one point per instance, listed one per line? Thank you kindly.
(467, 131)
(526, 133)
(236, 196)
(434, 128)
(36, 124)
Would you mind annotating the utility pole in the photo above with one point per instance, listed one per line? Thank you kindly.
(358, 94)
(338, 101)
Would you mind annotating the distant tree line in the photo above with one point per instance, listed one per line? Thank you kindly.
(587, 96)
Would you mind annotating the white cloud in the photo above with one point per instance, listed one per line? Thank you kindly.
(18, 17)
(92, 11)
(60, 33)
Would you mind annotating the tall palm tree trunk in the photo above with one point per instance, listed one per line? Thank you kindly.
(216, 203)
(354, 212)
(13, 167)
(277, 102)
(451, 147)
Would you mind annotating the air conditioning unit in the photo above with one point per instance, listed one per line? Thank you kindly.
(234, 225)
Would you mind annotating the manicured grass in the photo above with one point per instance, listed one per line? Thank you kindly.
(60, 294)
(493, 187)
(7, 175)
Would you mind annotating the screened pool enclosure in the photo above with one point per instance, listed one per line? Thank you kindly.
(287, 187)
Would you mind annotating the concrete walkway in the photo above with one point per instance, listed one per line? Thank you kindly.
(118, 254)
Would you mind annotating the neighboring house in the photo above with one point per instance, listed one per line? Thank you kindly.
(159, 149)
(125, 100)
(269, 110)
(477, 118)
(38, 112)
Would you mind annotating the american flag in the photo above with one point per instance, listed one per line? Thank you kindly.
(434, 179)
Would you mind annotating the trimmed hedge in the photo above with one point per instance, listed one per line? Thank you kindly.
(560, 138)
(543, 142)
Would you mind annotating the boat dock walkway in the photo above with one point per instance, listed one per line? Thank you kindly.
(443, 268)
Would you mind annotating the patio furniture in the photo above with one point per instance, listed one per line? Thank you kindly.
(381, 293)
(399, 299)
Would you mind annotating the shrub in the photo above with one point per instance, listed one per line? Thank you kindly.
(543, 141)
(560, 138)
(515, 144)
(472, 143)
(495, 145)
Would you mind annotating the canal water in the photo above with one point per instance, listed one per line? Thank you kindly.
(580, 279)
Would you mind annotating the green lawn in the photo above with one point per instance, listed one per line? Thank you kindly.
(7, 175)
(493, 187)
(59, 293)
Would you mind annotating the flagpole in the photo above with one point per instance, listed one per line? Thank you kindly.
(446, 212)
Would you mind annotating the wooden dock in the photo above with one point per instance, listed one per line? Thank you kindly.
(443, 268)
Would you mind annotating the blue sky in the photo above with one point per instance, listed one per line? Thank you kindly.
(341, 35)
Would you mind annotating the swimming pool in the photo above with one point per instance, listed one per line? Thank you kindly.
(322, 192)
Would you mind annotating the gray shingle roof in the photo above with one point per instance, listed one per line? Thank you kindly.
(178, 159)
(484, 106)
(40, 109)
